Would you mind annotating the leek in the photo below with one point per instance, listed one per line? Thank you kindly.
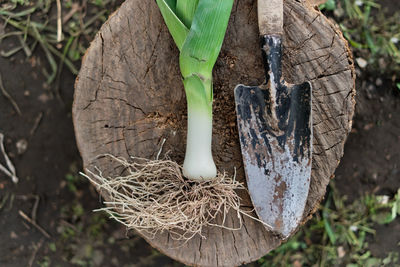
(198, 28)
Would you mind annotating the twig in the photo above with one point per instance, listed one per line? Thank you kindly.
(36, 124)
(35, 251)
(161, 147)
(74, 8)
(6, 172)
(5, 35)
(10, 203)
(59, 21)
(26, 48)
(29, 220)
(26, 225)
(60, 68)
(35, 204)
(11, 52)
(68, 224)
(7, 95)
(35, 207)
(4, 200)
(10, 172)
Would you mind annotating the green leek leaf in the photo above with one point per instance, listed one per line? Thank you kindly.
(185, 10)
(171, 4)
(196, 93)
(177, 29)
(199, 48)
(203, 43)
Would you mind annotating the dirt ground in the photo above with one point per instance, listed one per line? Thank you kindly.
(61, 201)
(48, 171)
(371, 161)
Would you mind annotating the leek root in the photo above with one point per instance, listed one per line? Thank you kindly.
(154, 197)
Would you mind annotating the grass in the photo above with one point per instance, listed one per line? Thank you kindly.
(73, 179)
(338, 234)
(81, 233)
(63, 36)
(373, 35)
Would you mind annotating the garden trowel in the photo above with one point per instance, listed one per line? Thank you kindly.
(275, 130)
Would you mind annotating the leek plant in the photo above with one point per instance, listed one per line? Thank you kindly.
(198, 28)
(152, 196)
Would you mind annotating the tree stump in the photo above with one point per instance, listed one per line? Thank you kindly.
(129, 97)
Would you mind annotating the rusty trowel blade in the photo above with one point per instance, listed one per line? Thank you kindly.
(276, 144)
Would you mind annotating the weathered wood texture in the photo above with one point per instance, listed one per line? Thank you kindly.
(129, 97)
(317, 2)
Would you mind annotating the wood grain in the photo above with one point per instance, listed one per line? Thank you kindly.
(129, 97)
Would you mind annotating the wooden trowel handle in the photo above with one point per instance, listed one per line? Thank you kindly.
(270, 17)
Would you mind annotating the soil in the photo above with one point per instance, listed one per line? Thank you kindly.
(79, 237)
(371, 162)
(65, 206)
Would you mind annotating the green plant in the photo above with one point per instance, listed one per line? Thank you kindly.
(73, 179)
(198, 29)
(337, 235)
(328, 5)
(373, 35)
(32, 27)
(382, 209)
(44, 262)
(97, 224)
(52, 247)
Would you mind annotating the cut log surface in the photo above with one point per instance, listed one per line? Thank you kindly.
(129, 97)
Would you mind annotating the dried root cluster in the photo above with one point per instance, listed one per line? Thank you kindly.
(153, 196)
